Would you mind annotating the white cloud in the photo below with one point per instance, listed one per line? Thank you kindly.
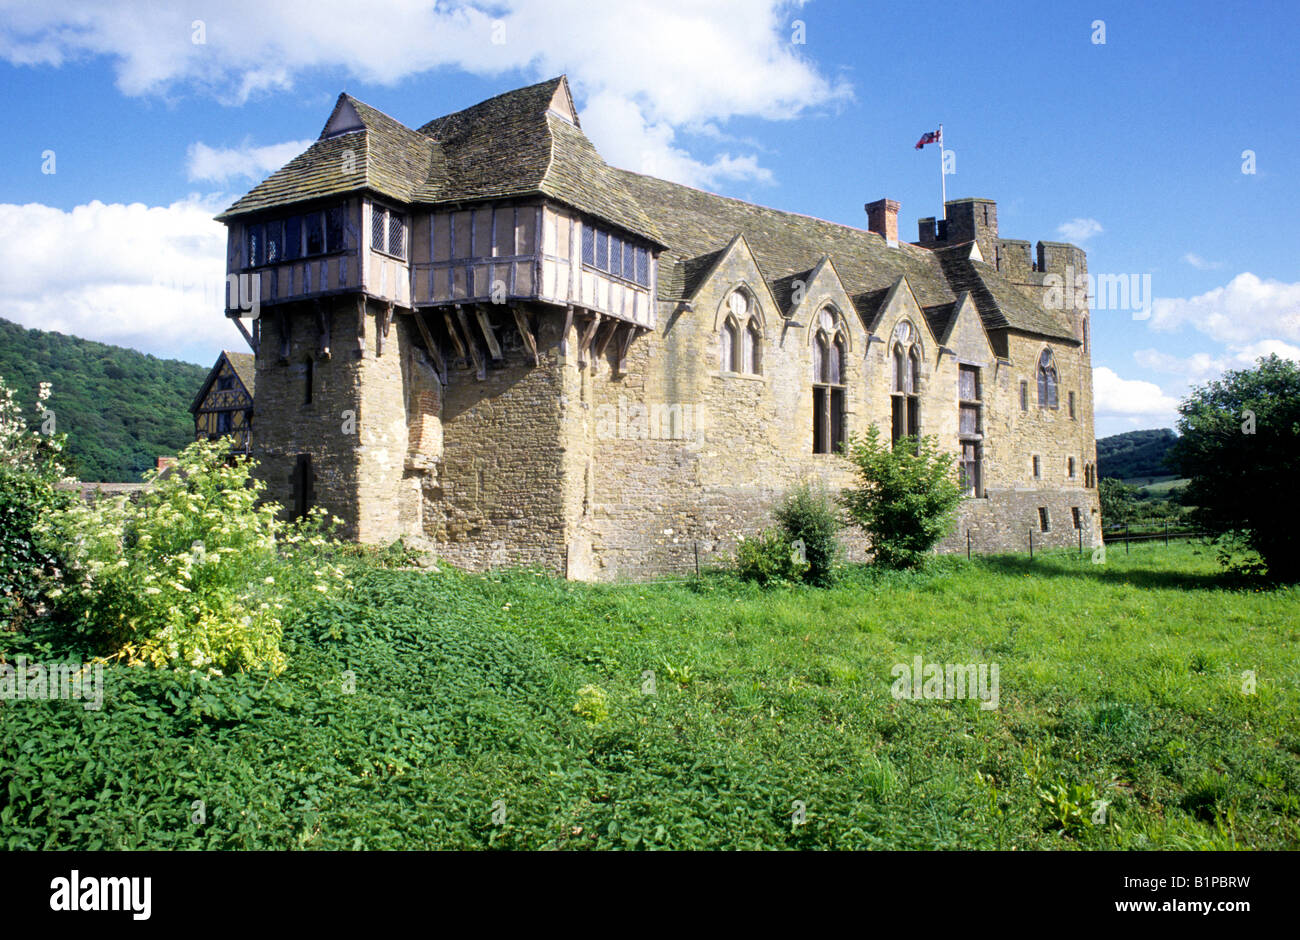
(1244, 310)
(1144, 402)
(148, 277)
(1079, 230)
(222, 164)
(644, 68)
(1201, 367)
(1200, 263)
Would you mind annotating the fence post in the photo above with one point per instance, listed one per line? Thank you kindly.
(697, 559)
(1031, 543)
(968, 544)
(1126, 538)
(1080, 541)
(1166, 533)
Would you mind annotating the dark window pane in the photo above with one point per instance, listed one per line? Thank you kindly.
(602, 251)
(292, 237)
(274, 241)
(315, 233)
(820, 429)
(396, 235)
(615, 256)
(254, 245)
(588, 245)
(643, 267)
(378, 229)
(334, 229)
(837, 419)
(897, 426)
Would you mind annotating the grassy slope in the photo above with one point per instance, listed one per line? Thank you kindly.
(1124, 677)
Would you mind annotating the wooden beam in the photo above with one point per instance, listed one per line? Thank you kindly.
(481, 315)
(588, 334)
(630, 334)
(361, 326)
(322, 331)
(610, 329)
(455, 336)
(568, 324)
(438, 365)
(479, 366)
(521, 321)
(382, 322)
(248, 337)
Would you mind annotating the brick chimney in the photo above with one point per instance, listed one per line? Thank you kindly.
(882, 218)
(164, 463)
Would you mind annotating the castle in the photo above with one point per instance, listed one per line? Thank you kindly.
(479, 333)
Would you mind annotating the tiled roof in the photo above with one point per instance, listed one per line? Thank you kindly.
(786, 245)
(514, 145)
(245, 367)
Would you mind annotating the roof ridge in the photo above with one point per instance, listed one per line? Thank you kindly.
(756, 205)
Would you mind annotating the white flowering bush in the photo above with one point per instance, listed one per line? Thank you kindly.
(197, 573)
(31, 466)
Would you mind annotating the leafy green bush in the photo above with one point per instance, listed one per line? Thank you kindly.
(30, 469)
(908, 497)
(809, 515)
(194, 574)
(1239, 445)
(769, 558)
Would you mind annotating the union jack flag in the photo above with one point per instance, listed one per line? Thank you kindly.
(933, 137)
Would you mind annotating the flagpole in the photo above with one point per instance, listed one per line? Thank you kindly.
(943, 182)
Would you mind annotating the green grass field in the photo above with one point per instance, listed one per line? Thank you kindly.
(1121, 723)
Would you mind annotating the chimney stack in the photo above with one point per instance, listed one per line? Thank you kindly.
(882, 218)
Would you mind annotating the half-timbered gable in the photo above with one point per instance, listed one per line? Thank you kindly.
(224, 403)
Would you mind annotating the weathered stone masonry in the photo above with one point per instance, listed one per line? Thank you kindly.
(479, 334)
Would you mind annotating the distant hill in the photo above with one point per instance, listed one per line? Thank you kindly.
(120, 408)
(1135, 454)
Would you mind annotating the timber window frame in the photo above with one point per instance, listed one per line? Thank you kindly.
(294, 238)
(615, 255)
(388, 231)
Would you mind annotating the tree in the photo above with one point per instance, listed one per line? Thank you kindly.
(1118, 501)
(1239, 446)
(908, 497)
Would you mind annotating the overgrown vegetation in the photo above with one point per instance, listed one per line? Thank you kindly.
(121, 409)
(31, 465)
(520, 711)
(194, 573)
(770, 558)
(906, 499)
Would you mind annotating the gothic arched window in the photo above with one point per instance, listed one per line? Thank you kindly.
(1047, 380)
(829, 361)
(742, 336)
(905, 418)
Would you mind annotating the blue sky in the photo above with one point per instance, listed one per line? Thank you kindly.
(158, 115)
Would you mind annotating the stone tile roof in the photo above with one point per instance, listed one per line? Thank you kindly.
(787, 245)
(385, 157)
(514, 145)
(508, 146)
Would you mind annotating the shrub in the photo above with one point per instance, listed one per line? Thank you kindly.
(195, 574)
(770, 558)
(808, 514)
(908, 498)
(30, 469)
